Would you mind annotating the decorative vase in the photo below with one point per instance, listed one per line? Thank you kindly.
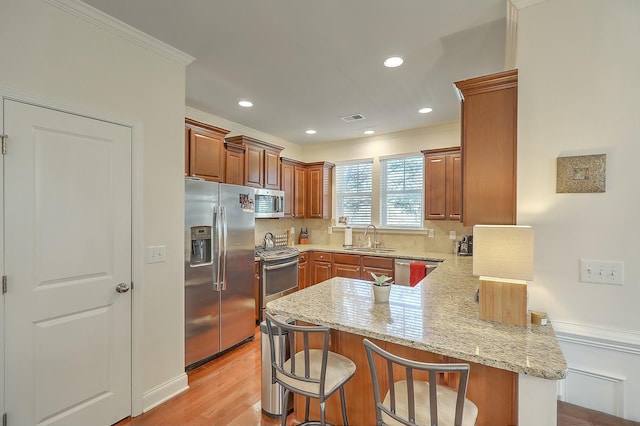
(381, 293)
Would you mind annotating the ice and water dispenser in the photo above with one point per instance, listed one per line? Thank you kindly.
(201, 250)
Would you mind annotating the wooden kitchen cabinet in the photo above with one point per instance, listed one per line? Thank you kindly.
(489, 148)
(346, 265)
(205, 151)
(303, 270)
(321, 265)
(443, 183)
(377, 265)
(234, 165)
(319, 190)
(293, 182)
(360, 267)
(261, 162)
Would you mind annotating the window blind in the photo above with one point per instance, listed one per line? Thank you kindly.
(353, 191)
(401, 191)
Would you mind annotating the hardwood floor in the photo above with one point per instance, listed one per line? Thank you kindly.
(226, 391)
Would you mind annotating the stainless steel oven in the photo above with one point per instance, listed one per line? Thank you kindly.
(278, 274)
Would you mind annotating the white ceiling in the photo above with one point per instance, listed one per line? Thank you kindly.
(306, 63)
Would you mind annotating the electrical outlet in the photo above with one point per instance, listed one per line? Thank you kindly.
(432, 233)
(329, 230)
(157, 254)
(452, 235)
(601, 271)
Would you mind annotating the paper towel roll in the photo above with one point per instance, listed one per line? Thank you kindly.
(348, 237)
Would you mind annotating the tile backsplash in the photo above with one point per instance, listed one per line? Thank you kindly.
(406, 240)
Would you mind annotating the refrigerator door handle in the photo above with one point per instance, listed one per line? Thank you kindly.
(223, 215)
(217, 225)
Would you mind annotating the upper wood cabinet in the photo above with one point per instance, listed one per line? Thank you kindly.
(443, 183)
(319, 190)
(261, 162)
(293, 182)
(489, 148)
(234, 167)
(204, 151)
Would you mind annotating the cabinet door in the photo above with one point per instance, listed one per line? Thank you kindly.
(346, 271)
(271, 169)
(287, 173)
(435, 182)
(321, 272)
(489, 148)
(318, 193)
(234, 168)
(186, 152)
(303, 272)
(254, 166)
(206, 155)
(453, 186)
(300, 192)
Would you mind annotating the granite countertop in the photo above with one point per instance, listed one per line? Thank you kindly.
(438, 315)
(395, 253)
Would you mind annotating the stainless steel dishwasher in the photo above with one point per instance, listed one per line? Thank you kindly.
(402, 269)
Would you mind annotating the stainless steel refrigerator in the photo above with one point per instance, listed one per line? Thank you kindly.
(219, 271)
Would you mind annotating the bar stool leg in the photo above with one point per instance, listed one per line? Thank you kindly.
(344, 406)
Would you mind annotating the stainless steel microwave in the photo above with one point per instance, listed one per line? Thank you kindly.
(269, 203)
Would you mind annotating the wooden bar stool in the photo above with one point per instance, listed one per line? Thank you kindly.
(314, 373)
(437, 405)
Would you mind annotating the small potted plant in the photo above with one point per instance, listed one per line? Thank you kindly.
(381, 288)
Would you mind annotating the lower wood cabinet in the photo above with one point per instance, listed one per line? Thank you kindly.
(321, 262)
(360, 267)
(377, 265)
(346, 265)
(303, 270)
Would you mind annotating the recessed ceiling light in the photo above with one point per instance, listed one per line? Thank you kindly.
(245, 104)
(425, 110)
(369, 132)
(310, 132)
(392, 62)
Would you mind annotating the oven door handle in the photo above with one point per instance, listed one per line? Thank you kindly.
(279, 265)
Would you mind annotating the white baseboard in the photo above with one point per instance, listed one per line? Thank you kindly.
(164, 392)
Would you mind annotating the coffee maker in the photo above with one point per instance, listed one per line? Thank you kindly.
(464, 247)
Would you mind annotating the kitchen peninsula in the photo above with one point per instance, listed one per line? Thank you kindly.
(514, 370)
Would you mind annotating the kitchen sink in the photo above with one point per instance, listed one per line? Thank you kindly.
(370, 250)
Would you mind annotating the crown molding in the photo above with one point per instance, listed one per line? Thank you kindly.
(521, 4)
(511, 37)
(119, 28)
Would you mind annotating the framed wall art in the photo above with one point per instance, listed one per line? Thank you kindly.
(581, 174)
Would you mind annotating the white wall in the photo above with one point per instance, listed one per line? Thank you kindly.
(51, 54)
(578, 92)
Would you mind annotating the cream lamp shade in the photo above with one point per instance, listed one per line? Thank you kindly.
(504, 252)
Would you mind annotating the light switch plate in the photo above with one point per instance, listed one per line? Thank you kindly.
(156, 254)
(602, 271)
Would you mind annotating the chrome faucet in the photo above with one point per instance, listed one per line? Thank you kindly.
(375, 234)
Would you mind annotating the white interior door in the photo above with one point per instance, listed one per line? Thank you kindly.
(67, 246)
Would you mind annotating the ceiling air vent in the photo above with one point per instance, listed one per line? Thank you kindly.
(352, 117)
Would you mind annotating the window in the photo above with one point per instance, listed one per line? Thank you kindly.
(353, 191)
(401, 183)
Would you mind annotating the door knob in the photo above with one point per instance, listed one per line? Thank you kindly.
(122, 288)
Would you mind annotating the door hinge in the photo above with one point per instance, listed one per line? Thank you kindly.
(4, 419)
(4, 287)
(4, 144)
(131, 285)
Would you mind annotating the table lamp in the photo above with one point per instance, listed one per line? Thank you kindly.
(503, 258)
